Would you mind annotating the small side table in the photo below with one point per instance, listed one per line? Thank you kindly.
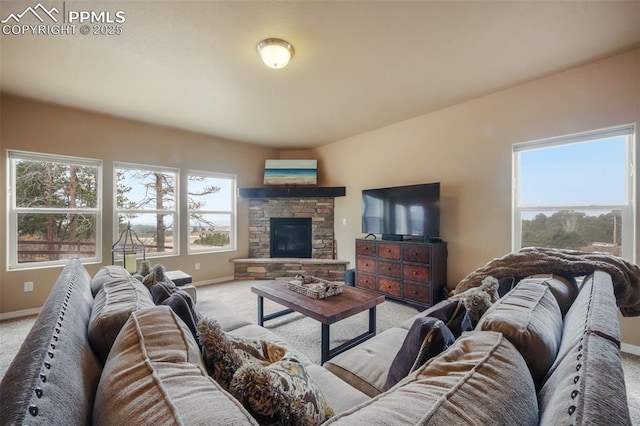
(179, 278)
(183, 280)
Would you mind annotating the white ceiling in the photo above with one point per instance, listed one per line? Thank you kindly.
(359, 65)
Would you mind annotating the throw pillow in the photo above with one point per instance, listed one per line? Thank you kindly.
(255, 350)
(426, 338)
(280, 393)
(168, 294)
(143, 270)
(161, 291)
(505, 285)
(182, 304)
(479, 299)
(224, 353)
(453, 312)
(157, 275)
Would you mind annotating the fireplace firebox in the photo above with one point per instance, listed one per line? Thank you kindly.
(291, 237)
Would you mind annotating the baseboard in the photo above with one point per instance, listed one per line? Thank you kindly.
(630, 349)
(19, 314)
(212, 281)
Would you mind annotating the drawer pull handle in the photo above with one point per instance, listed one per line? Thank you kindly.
(389, 268)
(415, 254)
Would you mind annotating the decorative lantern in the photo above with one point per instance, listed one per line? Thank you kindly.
(128, 246)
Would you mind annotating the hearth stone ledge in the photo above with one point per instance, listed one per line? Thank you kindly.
(275, 268)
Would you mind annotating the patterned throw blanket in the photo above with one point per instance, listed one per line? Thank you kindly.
(532, 260)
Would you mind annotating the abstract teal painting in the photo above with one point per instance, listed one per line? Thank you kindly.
(291, 172)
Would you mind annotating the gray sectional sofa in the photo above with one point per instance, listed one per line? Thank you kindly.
(540, 355)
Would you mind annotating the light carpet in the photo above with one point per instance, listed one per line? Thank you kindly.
(303, 333)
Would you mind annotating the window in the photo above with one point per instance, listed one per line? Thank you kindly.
(576, 192)
(54, 209)
(146, 197)
(212, 215)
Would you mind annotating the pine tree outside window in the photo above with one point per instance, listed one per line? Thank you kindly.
(54, 209)
(147, 198)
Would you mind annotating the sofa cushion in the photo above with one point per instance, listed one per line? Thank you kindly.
(482, 379)
(564, 289)
(280, 393)
(530, 318)
(578, 393)
(154, 375)
(53, 378)
(107, 274)
(115, 300)
(224, 353)
(340, 395)
(223, 314)
(426, 338)
(366, 366)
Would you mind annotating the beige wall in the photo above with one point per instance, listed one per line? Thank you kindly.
(467, 148)
(41, 127)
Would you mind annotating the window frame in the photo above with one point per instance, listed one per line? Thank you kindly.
(14, 211)
(118, 165)
(628, 210)
(233, 212)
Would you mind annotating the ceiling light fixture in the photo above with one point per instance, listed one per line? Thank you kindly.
(275, 53)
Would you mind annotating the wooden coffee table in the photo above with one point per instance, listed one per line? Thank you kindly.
(328, 311)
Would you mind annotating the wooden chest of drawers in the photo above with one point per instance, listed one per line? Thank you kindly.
(409, 271)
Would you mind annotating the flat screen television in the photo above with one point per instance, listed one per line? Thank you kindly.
(401, 211)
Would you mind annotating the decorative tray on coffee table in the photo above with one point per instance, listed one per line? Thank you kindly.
(314, 287)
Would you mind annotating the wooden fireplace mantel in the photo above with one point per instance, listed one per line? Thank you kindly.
(293, 192)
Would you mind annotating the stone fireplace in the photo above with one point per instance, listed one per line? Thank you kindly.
(318, 259)
(319, 210)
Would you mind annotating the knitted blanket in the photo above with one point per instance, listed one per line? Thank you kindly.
(533, 260)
